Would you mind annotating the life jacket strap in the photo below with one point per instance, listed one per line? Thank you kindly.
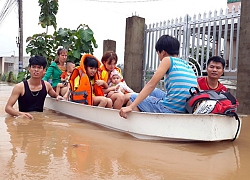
(80, 101)
(78, 93)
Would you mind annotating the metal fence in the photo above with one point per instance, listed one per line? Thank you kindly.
(201, 37)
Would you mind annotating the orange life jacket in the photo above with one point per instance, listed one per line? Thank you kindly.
(104, 73)
(83, 93)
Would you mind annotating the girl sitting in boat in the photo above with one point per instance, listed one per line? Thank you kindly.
(178, 79)
(109, 61)
(120, 86)
(85, 84)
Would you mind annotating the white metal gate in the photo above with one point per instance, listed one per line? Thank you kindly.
(200, 37)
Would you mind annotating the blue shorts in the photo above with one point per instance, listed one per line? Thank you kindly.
(153, 103)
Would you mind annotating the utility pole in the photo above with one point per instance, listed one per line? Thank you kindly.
(20, 34)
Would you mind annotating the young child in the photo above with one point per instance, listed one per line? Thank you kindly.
(179, 78)
(70, 66)
(89, 86)
(116, 80)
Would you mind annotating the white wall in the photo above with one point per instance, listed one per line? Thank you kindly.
(12, 64)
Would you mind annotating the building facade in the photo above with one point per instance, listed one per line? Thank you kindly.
(11, 63)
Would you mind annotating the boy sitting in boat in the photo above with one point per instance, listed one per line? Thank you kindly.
(116, 80)
(215, 69)
(89, 88)
(179, 78)
(70, 66)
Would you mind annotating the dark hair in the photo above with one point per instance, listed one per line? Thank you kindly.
(59, 51)
(217, 59)
(38, 60)
(69, 61)
(90, 62)
(109, 56)
(169, 44)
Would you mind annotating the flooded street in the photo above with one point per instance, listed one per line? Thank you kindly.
(55, 146)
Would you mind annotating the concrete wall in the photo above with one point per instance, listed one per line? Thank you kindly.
(109, 45)
(133, 56)
(243, 74)
(8, 64)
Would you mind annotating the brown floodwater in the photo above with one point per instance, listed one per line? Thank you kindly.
(55, 146)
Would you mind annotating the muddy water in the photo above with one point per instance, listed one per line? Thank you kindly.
(54, 146)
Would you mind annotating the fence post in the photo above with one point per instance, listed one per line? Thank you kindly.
(109, 45)
(133, 55)
(243, 73)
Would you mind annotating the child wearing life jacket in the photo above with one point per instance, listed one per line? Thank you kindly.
(116, 80)
(89, 86)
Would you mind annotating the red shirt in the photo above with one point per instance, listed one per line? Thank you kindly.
(64, 75)
(203, 84)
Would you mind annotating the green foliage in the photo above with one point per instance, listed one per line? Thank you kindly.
(8, 77)
(49, 9)
(77, 41)
(24, 75)
(11, 77)
(3, 77)
(43, 45)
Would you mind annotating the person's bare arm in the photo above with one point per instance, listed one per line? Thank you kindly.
(106, 88)
(16, 92)
(149, 87)
(109, 89)
(51, 91)
(101, 83)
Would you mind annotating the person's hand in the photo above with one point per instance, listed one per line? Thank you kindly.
(123, 90)
(60, 98)
(26, 115)
(117, 87)
(99, 82)
(110, 93)
(124, 110)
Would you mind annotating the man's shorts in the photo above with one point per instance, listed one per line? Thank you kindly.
(153, 103)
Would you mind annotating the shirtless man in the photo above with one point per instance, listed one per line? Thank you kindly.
(31, 93)
(215, 69)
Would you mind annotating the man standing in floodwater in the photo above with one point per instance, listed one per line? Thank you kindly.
(31, 93)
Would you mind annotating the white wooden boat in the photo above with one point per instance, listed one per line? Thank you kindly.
(154, 126)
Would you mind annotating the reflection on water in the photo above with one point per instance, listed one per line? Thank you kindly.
(54, 146)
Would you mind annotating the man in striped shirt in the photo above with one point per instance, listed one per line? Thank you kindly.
(179, 77)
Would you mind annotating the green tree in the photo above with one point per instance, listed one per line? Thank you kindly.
(76, 41)
(47, 17)
(43, 45)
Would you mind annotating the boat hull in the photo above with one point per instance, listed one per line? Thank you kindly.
(154, 126)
